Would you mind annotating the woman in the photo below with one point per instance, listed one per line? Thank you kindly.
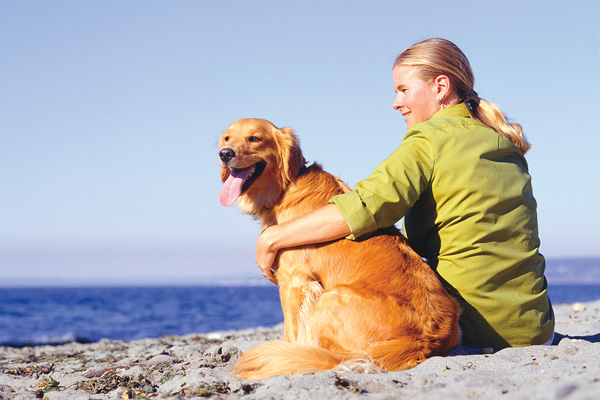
(459, 178)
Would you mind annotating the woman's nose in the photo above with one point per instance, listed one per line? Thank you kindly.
(396, 105)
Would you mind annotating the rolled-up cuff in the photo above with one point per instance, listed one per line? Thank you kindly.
(357, 216)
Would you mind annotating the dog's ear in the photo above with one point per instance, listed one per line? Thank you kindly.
(290, 155)
(225, 173)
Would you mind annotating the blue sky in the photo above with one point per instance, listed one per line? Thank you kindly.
(110, 113)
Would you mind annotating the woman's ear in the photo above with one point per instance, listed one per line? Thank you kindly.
(443, 86)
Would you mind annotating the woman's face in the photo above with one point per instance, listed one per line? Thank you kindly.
(416, 99)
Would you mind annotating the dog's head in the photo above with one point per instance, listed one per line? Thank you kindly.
(258, 162)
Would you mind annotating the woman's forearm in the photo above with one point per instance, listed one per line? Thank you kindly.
(319, 226)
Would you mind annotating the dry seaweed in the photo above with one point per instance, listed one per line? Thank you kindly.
(48, 384)
(29, 370)
(344, 384)
(111, 381)
(207, 390)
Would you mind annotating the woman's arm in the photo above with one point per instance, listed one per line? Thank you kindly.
(319, 226)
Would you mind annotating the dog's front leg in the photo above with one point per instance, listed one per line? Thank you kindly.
(290, 293)
(299, 293)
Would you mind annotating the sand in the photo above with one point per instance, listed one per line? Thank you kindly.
(199, 366)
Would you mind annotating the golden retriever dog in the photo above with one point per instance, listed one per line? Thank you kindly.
(366, 305)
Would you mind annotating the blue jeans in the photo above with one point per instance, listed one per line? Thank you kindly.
(467, 351)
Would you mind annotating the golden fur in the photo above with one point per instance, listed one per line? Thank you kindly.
(370, 304)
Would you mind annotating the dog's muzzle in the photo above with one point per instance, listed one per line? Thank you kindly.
(226, 154)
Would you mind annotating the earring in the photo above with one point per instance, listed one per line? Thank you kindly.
(441, 100)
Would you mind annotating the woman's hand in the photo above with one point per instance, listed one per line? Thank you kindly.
(265, 254)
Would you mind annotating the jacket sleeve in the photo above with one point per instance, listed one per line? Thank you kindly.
(392, 189)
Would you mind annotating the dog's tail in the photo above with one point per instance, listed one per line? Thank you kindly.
(401, 353)
(283, 358)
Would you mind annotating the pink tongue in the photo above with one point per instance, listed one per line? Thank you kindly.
(233, 186)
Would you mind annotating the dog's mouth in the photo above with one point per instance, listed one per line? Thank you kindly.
(239, 181)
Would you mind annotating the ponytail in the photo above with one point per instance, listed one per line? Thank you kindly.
(490, 115)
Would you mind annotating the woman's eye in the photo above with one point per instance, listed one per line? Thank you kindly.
(254, 139)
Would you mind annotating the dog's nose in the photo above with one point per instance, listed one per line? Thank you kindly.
(226, 154)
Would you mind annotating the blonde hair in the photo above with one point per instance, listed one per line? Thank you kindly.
(435, 57)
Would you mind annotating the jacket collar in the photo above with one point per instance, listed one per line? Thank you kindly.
(458, 110)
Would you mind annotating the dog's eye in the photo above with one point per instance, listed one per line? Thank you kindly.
(226, 138)
(254, 139)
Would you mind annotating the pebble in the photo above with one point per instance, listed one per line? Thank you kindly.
(160, 359)
(579, 307)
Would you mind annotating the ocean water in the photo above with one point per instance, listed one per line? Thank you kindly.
(53, 315)
(89, 314)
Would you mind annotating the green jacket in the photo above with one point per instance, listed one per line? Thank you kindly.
(466, 197)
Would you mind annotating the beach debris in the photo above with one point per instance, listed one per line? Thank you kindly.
(220, 355)
(103, 371)
(128, 394)
(133, 394)
(344, 384)
(468, 365)
(49, 384)
(207, 390)
(249, 388)
(110, 381)
(30, 370)
(208, 338)
(399, 383)
(50, 359)
(532, 363)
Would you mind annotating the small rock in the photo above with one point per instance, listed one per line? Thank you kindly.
(160, 359)
(214, 336)
(578, 307)
(570, 350)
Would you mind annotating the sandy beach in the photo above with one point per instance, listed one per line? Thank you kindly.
(199, 366)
